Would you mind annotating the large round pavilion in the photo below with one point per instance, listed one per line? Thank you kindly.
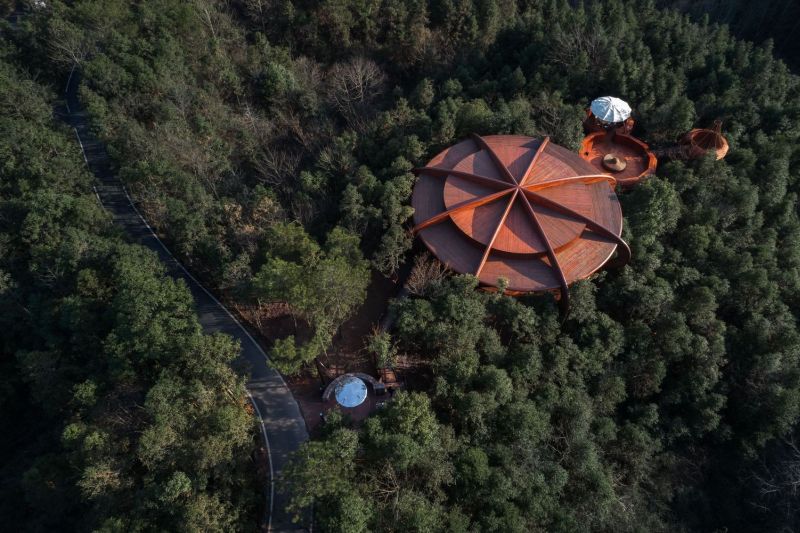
(519, 208)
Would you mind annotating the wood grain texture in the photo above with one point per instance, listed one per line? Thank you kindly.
(535, 159)
(640, 161)
(498, 227)
(698, 142)
(560, 222)
(472, 205)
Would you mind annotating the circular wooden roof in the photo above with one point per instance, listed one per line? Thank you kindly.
(519, 208)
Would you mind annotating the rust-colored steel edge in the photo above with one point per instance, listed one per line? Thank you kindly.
(534, 160)
(652, 162)
(496, 233)
(467, 205)
(588, 178)
(528, 196)
(551, 253)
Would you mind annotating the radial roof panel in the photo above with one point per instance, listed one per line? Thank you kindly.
(520, 208)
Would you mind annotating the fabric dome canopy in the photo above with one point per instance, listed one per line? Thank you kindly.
(610, 109)
(351, 392)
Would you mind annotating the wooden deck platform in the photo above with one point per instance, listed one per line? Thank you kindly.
(640, 161)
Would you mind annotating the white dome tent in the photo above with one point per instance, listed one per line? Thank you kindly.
(351, 392)
(610, 109)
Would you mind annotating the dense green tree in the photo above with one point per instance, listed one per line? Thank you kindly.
(122, 414)
(272, 144)
(323, 287)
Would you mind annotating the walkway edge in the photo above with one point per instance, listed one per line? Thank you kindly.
(277, 395)
(244, 330)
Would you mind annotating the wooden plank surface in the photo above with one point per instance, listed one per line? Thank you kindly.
(570, 230)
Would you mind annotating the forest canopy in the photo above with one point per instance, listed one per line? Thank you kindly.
(123, 415)
(271, 144)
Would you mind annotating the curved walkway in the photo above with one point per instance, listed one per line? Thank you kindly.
(282, 425)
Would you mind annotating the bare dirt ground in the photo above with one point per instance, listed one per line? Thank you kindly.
(347, 353)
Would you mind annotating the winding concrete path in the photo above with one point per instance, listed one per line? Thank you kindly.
(282, 425)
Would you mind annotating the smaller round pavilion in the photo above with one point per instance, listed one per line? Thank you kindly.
(699, 141)
(519, 208)
(625, 157)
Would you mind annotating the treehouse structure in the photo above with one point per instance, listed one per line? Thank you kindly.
(696, 143)
(592, 124)
(625, 157)
(518, 208)
(609, 146)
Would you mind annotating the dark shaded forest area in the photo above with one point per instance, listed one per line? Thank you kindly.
(776, 20)
(270, 142)
(118, 413)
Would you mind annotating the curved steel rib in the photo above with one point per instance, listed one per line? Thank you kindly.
(587, 179)
(481, 142)
(551, 253)
(496, 233)
(483, 200)
(623, 247)
(477, 178)
(534, 160)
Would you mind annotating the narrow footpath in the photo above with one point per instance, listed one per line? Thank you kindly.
(282, 425)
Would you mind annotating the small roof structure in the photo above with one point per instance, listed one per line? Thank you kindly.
(698, 142)
(519, 208)
(610, 109)
(351, 391)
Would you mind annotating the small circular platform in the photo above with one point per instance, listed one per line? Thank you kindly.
(698, 142)
(640, 161)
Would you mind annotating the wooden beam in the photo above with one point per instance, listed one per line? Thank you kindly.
(551, 253)
(481, 142)
(443, 172)
(496, 233)
(623, 247)
(534, 160)
(587, 179)
(472, 204)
